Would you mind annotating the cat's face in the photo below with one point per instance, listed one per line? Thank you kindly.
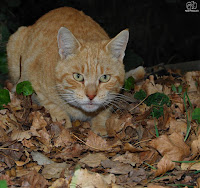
(90, 75)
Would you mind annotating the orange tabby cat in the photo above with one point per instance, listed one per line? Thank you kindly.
(75, 69)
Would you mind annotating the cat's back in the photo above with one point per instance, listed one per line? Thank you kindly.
(82, 26)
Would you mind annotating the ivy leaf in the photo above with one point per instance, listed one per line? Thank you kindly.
(3, 184)
(180, 89)
(25, 88)
(174, 88)
(140, 95)
(196, 114)
(129, 83)
(157, 100)
(157, 111)
(4, 97)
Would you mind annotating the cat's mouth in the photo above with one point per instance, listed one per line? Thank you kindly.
(90, 107)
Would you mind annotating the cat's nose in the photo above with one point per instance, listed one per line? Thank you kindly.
(91, 96)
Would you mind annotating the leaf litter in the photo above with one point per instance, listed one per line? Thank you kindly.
(153, 141)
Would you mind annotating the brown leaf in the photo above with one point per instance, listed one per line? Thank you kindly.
(21, 163)
(64, 139)
(10, 155)
(27, 143)
(178, 126)
(156, 186)
(195, 147)
(45, 137)
(38, 121)
(128, 158)
(96, 142)
(115, 124)
(20, 135)
(172, 147)
(93, 160)
(70, 152)
(60, 183)
(54, 170)
(116, 167)
(34, 180)
(164, 165)
(131, 148)
(84, 178)
(192, 78)
(190, 166)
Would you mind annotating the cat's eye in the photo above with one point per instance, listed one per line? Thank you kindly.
(78, 77)
(104, 78)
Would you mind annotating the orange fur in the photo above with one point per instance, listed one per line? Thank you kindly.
(50, 55)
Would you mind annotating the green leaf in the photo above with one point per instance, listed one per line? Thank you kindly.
(25, 88)
(157, 111)
(157, 100)
(3, 184)
(196, 114)
(180, 89)
(140, 95)
(129, 83)
(4, 97)
(174, 88)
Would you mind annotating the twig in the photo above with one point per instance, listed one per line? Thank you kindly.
(138, 104)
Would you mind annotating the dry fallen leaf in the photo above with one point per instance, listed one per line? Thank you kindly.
(70, 152)
(60, 183)
(178, 126)
(114, 124)
(172, 147)
(116, 167)
(54, 170)
(34, 179)
(40, 158)
(93, 159)
(96, 142)
(38, 121)
(164, 165)
(64, 138)
(83, 178)
(128, 158)
(195, 147)
(190, 166)
(20, 135)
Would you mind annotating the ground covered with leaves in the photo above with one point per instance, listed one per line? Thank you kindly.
(152, 141)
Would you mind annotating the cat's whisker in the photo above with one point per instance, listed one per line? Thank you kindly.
(121, 96)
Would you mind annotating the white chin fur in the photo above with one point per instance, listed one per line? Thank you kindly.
(89, 107)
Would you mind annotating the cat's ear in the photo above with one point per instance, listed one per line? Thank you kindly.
(67, 43)
(117, 45)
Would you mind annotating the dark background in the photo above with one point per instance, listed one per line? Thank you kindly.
(160, 30)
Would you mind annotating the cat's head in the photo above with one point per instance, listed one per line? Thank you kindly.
(89, 75)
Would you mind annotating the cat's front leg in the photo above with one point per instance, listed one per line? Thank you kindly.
(99, 122)
(58, 114)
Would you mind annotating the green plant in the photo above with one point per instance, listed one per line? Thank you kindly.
(196, 114)
(157, 101)
(25, 88)
(129, 83)
(140, 95)
(3, 184)
(4, 97)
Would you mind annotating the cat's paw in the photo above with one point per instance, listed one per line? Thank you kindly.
(60, 117)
